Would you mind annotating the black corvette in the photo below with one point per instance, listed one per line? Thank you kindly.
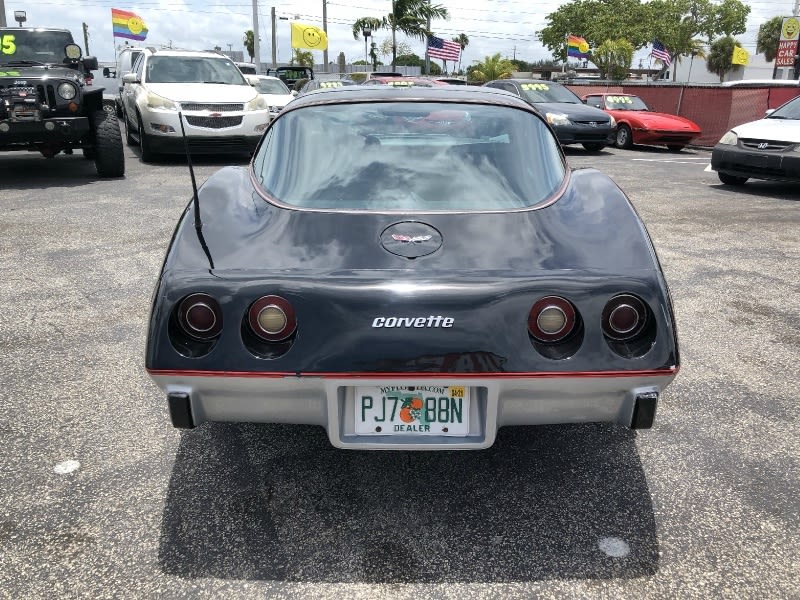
(411, 269)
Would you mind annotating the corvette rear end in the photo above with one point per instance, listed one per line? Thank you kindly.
(403, 309)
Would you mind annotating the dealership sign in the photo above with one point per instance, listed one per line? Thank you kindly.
(787, 46)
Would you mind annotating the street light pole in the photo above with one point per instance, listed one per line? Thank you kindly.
(256, 48)
(325, 29)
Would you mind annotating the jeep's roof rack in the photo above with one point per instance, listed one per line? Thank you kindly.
(152, 49)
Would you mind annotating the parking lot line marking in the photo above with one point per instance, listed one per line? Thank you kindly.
(682, 159)
(708, 168)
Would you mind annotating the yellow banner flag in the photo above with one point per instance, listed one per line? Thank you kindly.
(308, 36)
(740, 56)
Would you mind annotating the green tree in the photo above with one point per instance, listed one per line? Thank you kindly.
(250, 43)
(462, 40)
(613, 58)
(491, 67)
(720, 58)
(302, 58)
(676, 23)
(769, 34)
(412, 60)
(408, 17)
(597, 21)
(366, 24)
(385, 48)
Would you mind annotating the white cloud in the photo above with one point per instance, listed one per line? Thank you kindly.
(505, 26)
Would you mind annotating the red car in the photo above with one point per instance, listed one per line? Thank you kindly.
(637, 124)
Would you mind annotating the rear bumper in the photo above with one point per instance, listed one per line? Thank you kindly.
(329, 401)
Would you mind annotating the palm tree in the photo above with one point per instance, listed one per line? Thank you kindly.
(302, 58)
(250, 43)
(409, 17)
(492, 67)
(366, 26)
(462, 40)
(720, 57)
(769, 34)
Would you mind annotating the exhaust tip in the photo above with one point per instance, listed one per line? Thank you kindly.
(180, 410)
(644, 410)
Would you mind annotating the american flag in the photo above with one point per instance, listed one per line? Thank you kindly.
(661, 53)
(439, 48)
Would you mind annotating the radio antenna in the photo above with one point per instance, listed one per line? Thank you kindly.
(198, 224)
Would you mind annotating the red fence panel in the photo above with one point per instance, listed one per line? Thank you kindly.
(714, 109)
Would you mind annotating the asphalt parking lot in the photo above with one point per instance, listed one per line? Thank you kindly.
(101, 497)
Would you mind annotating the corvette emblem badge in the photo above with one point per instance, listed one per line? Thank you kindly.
(417, 239)
(411, 239)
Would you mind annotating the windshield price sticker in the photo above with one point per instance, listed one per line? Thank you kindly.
(330, 84)
(535, 86)
(412, 410)
(8, 44)
(620, 99)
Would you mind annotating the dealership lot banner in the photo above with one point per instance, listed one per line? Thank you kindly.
(787, 46)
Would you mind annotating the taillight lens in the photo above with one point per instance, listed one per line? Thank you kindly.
(551, 319)
(624, 317)
(200, 316)
(272, 318)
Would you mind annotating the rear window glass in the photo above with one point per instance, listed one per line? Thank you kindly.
(409, 156)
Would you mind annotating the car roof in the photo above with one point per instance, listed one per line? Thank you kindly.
(386, 93)
(251, 76)
(176, 52)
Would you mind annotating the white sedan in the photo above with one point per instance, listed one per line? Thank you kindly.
(765, 149)
(274, 92)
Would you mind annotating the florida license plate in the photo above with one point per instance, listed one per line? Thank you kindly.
(412, 410)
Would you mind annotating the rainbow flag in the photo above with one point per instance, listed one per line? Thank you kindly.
(577, 47)
(128, 25)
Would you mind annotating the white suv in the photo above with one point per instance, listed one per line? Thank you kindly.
(221, 111)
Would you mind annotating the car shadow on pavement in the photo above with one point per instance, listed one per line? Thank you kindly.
(29, 171)
(278, 502)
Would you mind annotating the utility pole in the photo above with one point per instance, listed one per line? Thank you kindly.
(3, 14)
(274, 40)
(427, 57)
(86, 39)
(256, 49)
(325, 29)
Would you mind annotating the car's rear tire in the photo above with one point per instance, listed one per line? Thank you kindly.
(594, 146)
(109, 157)
(624, 137)
(675, 147)
(731, 179)
(144, 143)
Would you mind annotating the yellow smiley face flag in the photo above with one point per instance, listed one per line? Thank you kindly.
(308, 36)
(740, 56)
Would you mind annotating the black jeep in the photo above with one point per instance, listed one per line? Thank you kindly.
(45, 104)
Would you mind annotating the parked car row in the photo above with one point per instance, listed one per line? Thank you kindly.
(235, 111)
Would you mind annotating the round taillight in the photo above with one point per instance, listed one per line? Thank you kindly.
(624, 317)
(551, 319)
(200, 316)
(272, 318)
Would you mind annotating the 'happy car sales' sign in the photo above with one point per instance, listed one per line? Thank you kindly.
(787, 46)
